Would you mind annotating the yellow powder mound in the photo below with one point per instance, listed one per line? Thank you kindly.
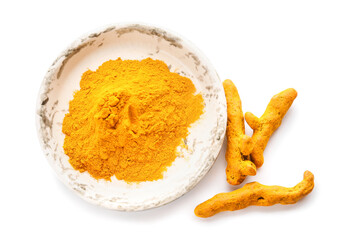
(128, 118)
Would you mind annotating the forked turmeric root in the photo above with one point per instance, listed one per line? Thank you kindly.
(241, 149)
(239, 145)
(257, 194)
(245, 154)
(271, 119)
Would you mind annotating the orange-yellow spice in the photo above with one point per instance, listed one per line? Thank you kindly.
(128, 118)
(257, 194)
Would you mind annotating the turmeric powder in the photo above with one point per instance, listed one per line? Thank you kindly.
(257, 194)
(270, 121)
(128, 118)
(239, 145)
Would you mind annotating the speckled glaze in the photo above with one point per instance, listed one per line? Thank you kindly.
(132, 41)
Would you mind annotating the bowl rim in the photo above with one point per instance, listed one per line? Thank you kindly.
(83, 39)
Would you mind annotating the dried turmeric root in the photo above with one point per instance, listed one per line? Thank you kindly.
(269, 122)
(239, 145)
(257, 194)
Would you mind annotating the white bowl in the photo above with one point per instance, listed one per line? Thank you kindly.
(132, 41)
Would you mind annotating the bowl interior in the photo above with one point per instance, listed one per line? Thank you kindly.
(132, 42)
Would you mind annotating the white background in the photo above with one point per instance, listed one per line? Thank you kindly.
(263, 46)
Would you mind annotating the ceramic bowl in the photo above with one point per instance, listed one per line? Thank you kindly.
(132, 41)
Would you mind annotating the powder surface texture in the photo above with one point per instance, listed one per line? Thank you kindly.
(128, 118)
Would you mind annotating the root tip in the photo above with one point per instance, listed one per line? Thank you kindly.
(308, 175)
